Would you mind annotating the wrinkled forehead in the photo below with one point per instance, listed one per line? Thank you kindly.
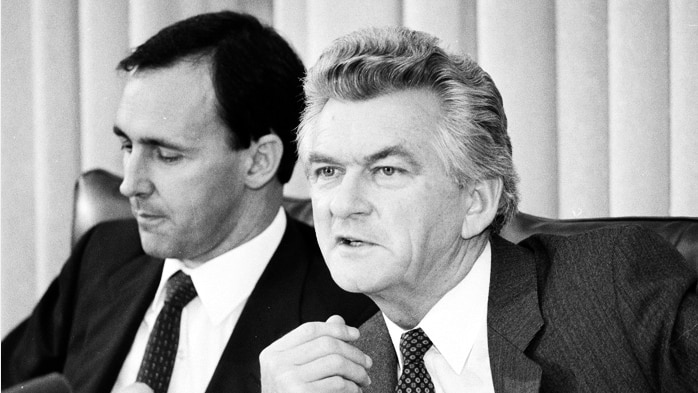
(399, 124)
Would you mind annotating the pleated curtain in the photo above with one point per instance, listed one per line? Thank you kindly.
(600, 95)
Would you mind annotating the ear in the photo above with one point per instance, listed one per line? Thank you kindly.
(264, 160)
(483, 201)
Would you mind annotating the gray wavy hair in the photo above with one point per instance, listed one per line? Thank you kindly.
(471, 137)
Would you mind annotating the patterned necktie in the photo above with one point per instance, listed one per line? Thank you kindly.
(415, 378)
(160, 353)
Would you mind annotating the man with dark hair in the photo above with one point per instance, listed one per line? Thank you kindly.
(411, 177)
(212, 270)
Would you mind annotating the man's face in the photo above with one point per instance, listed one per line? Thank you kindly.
(387, 215)
(181, 176)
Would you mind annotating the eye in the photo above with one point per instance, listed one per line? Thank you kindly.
(324, 174)
(126, 146)
(390, 176)
(326, 171)
(388, 170)
(168, 157)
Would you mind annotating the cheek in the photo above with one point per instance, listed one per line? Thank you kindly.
(191, 203)
(221, 183)
(413, 227)
(324, 241)
(321, 214)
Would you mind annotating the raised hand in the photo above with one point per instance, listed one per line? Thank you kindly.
(315, 357)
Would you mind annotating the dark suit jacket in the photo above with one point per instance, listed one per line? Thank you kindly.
(84, 325)
(612, 310)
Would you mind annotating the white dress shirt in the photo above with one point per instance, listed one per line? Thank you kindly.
(223, 285)
(459, 360)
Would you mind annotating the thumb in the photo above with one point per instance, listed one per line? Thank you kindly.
(336, 319)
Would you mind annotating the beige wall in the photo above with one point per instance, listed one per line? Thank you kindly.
(600, 97)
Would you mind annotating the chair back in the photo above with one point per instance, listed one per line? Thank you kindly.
(682, 232)
(97, 199)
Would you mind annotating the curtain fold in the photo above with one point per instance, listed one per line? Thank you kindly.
(638, 80)
(600, 97)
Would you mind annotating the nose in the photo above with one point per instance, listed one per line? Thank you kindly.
(136, 181)
(350, 198)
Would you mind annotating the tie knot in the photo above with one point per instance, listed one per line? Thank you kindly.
(179, 290)
(413, 345)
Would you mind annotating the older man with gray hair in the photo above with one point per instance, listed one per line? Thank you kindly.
(411, 177)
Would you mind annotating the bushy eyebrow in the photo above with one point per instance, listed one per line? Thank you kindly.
(120, 133)
(158, 142)
(315, 157)
(390, 151)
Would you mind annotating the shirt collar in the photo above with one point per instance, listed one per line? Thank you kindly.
(455, 320)
(227, 280)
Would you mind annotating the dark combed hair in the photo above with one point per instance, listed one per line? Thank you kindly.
(256, 75)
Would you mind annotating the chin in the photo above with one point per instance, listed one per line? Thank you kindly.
(153, 246)
(346, 284)
(355, 279)
(157, 252)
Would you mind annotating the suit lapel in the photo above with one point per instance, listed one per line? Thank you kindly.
(375, 342)
(513, 318)
(513, 321)
(272, 310)
(130, 289)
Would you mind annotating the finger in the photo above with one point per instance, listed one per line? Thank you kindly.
(336, 319)
(337, 384)
(312, 330)
(335, 366)
(325, 346)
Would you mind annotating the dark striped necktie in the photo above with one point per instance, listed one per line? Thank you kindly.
(161, 351)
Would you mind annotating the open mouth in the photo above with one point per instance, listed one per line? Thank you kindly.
(351, 242)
